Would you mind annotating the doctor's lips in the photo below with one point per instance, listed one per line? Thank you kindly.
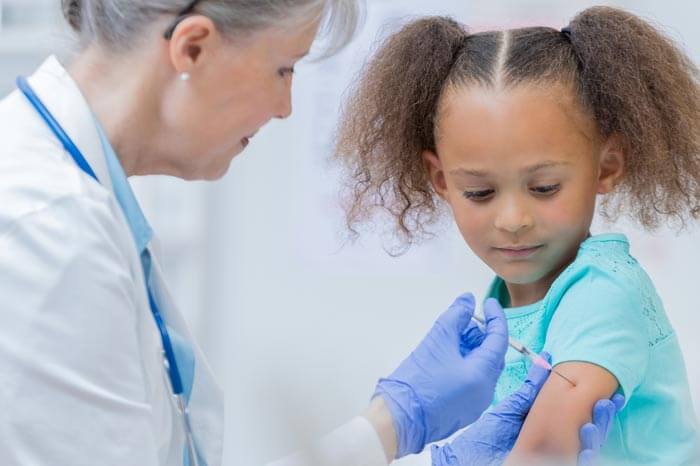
(518, 251)
(246, 140)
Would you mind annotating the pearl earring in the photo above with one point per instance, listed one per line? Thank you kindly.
(184, 76)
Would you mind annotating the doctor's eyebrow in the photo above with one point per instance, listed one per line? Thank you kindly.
(530, 169)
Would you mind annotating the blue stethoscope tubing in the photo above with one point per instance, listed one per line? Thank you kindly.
(169, 353)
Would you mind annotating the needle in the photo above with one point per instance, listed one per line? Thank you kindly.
(525, 351)
(539, 360)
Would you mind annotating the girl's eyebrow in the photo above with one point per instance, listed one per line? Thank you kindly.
(543, 165)
(530, 169)
(468, 172)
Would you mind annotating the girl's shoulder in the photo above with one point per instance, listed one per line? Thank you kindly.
(602, 259)
(607, 280)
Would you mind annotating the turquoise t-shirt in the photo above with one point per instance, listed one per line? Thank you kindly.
(603, 309)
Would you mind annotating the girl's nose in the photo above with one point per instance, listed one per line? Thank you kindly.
(513, 218)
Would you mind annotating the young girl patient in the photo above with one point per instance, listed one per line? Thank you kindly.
(519, 132)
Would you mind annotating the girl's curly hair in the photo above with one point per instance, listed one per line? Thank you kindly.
(633, 79)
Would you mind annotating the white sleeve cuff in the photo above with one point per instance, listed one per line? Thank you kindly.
(353, 444)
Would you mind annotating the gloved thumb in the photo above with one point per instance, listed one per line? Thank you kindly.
(495, 343)
(457, 317)
(587, 458)
(519, 403)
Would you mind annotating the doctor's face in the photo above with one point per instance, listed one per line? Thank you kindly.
(241, 85)
(520, 170)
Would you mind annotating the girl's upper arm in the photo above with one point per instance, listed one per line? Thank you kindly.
(552, 426)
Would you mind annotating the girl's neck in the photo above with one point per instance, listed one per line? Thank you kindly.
(530, 293)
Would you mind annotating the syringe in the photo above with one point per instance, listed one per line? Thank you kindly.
(525, 351)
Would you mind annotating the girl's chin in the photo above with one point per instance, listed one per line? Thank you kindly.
(521, 277)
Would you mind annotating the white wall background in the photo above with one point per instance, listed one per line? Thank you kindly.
(298, 326)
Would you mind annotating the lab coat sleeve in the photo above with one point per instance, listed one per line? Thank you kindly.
(353, 444)
(72, 385)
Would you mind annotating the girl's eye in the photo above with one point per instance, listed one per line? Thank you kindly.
(546, 190)
(480, 195)
(284, 72)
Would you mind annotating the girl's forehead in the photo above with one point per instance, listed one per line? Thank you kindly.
(484, 121)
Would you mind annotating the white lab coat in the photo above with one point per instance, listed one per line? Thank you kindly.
(82, 380)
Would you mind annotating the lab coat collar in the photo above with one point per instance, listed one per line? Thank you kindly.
(140, 229)
(61, 95)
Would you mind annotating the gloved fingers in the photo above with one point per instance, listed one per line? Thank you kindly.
(546, 356)
(538, 375)
(519, 403)
(589, 435)
(603, 414)
(590, 445)
(472, 337)
(495, 343)
(619, 401)
(457, 317)
(587, 458)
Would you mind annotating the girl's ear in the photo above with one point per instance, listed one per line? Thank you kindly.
(435, 173)
(612, 164)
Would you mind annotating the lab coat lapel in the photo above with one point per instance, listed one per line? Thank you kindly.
(206, 404)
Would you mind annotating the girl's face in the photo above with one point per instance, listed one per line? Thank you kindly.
(520, 169)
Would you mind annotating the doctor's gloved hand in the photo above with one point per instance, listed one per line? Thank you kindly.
(594, 434)
(446, 382)
(489, 440)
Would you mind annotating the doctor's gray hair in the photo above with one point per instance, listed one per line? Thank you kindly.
(120, 24)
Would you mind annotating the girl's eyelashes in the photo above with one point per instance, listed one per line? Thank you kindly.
(479, 195)
(486, 194)
(546, 190)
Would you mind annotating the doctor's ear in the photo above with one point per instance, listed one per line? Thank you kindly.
(193, 39)
(435, 173)
(612, 164)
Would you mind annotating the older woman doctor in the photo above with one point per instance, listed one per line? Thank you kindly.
(97, 365)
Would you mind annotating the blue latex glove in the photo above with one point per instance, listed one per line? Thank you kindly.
(594, 434)
(489, 440)
(443, 385)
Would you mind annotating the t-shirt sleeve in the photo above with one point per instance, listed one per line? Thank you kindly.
(599, 320)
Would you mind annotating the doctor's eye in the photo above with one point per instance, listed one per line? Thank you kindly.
(479, 195)
(546, 190)
(284, 72)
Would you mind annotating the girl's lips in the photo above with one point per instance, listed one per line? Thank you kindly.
(519, 251)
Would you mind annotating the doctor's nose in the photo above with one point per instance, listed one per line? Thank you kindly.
(513, 218)
(284, 103)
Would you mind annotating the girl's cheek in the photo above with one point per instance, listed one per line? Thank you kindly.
(568, 215)
(473, 225)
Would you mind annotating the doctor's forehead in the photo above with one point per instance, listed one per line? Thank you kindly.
(291, 43)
